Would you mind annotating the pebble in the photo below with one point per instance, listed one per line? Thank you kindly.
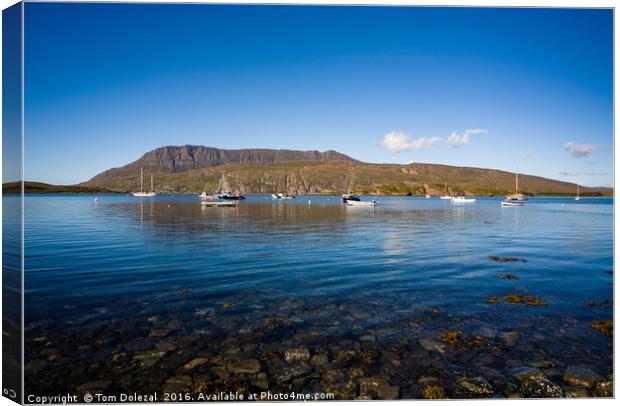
(243, 366)
(540, 387)
(290, 373)
(477, 386)
(604, 389)
(576, 392)
(523, 373)
(196, 362)
(581, 376)
(296, 355)
(432, 345)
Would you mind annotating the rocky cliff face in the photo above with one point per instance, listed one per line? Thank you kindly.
(186, 157)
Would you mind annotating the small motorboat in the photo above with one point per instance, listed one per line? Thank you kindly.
(282, 196)
(512, 204)
(350, 197)
(428, 196)
(230, 196)
(462, 199)
(361, 203)
(219, 203)
(445, 197)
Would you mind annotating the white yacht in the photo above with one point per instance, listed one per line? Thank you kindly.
(142, 193)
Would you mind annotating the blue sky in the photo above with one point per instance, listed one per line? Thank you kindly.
(514, 89)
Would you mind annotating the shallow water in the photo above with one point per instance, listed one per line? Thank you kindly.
(110, 282)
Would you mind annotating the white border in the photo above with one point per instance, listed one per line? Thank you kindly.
(478, 3)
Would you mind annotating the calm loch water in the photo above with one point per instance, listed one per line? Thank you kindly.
(161, 294)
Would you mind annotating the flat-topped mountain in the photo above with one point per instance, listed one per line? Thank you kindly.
(194, 169)
(187, 157)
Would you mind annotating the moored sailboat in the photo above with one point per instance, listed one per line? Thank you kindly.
(516, 195)
(445, 196)
(142, 193)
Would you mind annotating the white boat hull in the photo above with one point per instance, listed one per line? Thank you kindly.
(356, 203)
(144, 194)
(446, 197)
(232, 203)
(462, 200)
(511, 204)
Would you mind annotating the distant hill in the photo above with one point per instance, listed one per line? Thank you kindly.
(194, 169)
(41, 188)
(172, 159)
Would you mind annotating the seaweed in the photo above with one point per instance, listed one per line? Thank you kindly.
(507, 276)
(526, 300)
(604, 326)
(495, 258)
(456, 339)
(493, 300)
(433, 392)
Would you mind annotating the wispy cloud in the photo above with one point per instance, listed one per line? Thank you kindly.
(528, 154)
(579, 150)
(397, 141)
(565, 173)
(458, 140)
(595, 174)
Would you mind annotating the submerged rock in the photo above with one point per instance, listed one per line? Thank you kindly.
(477, 386)
(604, 389)
(178, 383)
(243, 366)
(196, 362)
(576, 392)
(379, 388)
(581, 376)
(540, 387)
(296, 355)
(523, 373)
(292, 373)
(319, 360)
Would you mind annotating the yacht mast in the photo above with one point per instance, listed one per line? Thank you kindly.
(141, 179)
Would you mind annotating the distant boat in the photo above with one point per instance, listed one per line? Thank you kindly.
(446, 196)
(462, 199)
(428, 196)
(512, 204)
(516, 195)
(219, 203)
(227, 195)
(577, 198)
(142, 193)
(361, 203)
(282, 196)
(205, 196)
(231, 196)
(350, 197)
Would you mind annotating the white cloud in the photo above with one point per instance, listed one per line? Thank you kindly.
(458, 140)
(579, 150)
(396, 141)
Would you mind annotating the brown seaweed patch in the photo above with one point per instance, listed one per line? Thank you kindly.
(604, 326)
(525, 300)
(507, 276)
(597, 305)
(495, 258)
(493, 300)
(456, 339)
(433, 392)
